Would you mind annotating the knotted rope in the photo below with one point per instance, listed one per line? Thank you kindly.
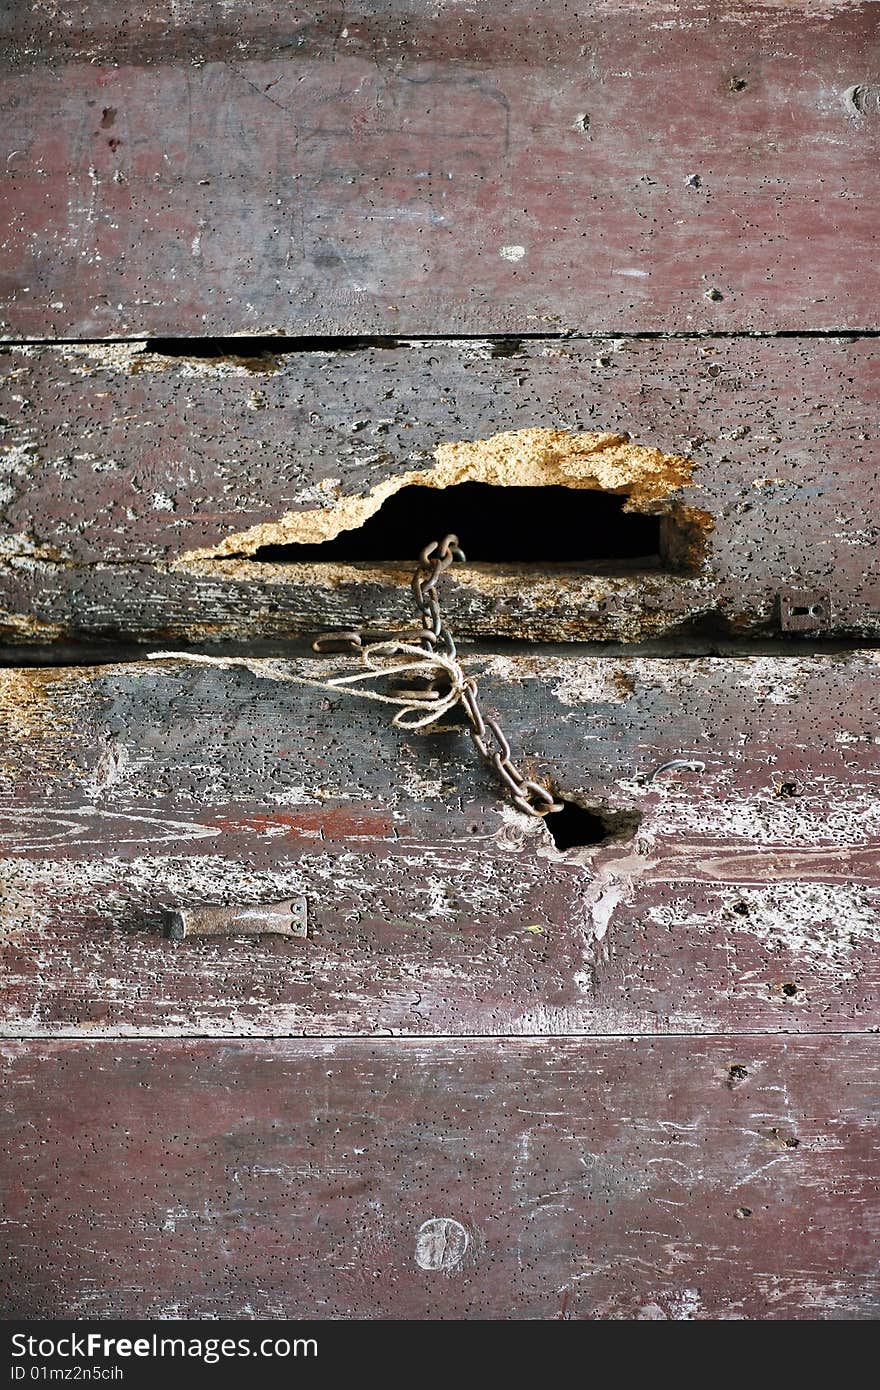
(421, 663)
(378, 658)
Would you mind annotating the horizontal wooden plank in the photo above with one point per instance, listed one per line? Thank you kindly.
(139, 483)
(744, 896)
(664, 1179)
(397, 168)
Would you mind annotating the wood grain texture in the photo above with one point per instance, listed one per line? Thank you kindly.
(745, 899)
(118, 463)
(495, 1078)
(392, 168)
(614, 1178)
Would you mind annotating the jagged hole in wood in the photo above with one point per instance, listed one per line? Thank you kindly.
(505, 525)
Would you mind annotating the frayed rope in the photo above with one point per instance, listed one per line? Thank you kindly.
(379, 660)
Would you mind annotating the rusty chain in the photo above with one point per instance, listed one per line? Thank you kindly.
(433, 635)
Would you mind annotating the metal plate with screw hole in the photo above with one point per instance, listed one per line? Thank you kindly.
(288, 918)
(802, 610)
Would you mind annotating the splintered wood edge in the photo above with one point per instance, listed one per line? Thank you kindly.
(514, 458)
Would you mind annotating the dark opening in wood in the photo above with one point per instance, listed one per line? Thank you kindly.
(576, 826)
(500, 525)
(250, 349)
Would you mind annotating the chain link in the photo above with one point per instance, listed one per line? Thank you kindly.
(486, 734)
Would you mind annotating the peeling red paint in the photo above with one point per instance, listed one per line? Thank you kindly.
(330, 823)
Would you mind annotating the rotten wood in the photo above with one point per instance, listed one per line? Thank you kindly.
(139, 484)
(611, 1178)
(397, 168)
(743, 896)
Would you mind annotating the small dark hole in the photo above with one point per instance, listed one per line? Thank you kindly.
(575, 826)
(789, 990)
(741, 909)
(786, 790)
(505, 347)
(788, 1141)
(736, 1073)
(743, 1212)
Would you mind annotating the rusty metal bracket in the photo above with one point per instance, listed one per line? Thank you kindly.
(287, 918)
(801, 610)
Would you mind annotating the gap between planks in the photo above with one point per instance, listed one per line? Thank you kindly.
(426, 1039)
(64, 655)
(328, 342)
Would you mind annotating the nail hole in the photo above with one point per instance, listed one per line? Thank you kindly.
(787, 790)
(788, 1141)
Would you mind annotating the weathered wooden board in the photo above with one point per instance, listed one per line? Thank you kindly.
(630, 1079)
(132, 477)
(613, 1178)
(748, 897)
(400, 168)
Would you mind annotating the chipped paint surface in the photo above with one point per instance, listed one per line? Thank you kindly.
(821, 925)
(420, 1153)
(28, 713)
(513, 230)
(135, 358)
(105, 497)
(409, 854)
(606, 1178)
